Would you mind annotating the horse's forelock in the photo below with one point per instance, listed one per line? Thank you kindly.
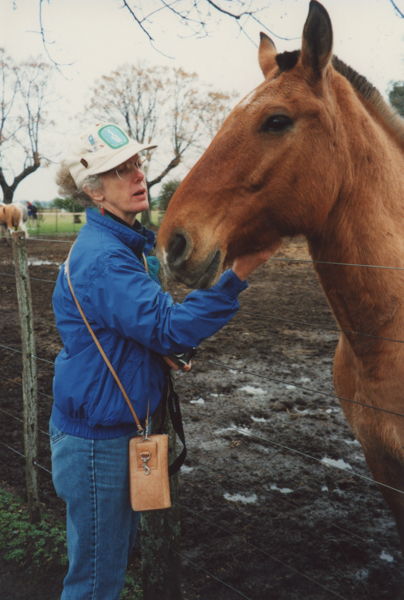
(287, 60)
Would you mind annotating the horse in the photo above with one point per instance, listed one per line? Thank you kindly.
(314, 150)
(14, 216)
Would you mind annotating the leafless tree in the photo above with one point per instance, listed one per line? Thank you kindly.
(165, 105)
(24, 102)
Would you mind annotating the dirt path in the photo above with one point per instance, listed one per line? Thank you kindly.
(264, 507)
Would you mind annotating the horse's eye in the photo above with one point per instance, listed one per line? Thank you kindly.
(276, 123)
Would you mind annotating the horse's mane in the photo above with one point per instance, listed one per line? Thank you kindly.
(288, 60)
(371, 95)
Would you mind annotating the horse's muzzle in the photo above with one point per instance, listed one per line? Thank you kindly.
(182, 261)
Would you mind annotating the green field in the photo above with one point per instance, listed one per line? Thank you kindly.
(51, 223)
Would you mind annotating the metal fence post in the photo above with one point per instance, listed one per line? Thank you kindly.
(161, 530)
(29, 376)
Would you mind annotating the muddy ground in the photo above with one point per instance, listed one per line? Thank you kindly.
(264, 507)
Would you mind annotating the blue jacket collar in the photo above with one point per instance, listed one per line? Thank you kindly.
(137, 242)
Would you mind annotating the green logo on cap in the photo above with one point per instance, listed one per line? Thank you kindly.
(113, 136)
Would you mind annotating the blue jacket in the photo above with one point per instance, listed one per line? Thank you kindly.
(135, 322)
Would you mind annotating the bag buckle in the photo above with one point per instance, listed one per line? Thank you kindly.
(145, 457)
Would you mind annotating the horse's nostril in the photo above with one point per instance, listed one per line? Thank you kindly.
(179, 248)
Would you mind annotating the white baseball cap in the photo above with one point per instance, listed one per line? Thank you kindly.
(99, 149)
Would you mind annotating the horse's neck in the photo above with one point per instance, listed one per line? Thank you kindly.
(366, 229)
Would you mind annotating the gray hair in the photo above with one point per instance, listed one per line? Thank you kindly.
(69, 189)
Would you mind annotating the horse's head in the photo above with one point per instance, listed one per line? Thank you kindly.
(271, 169)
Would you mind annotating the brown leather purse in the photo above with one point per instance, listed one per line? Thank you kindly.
(149, 485)
(148, 472)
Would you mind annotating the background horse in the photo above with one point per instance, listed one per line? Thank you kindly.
(314, 150)
(13, 216)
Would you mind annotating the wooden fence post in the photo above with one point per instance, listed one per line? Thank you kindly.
(161, 529)
(29, 378)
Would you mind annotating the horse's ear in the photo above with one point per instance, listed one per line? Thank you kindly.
(266, 54)
(317, 39)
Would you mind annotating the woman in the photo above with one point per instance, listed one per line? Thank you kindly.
(137, 325)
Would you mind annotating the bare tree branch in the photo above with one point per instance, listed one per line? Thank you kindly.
(226, 12)
(197, 13)
(171, 165)
(45, 43)
(138, 21)
(397, 9)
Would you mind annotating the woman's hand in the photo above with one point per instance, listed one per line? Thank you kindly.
(244, 265)
(176, 367)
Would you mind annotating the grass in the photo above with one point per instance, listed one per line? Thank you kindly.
(34, 548)
(131, 591)
(30, 546)
(50, 223)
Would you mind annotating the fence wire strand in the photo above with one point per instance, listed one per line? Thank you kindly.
(23, 456)
(20, 384)
(327, 262)
(31, 355)
(210, 574)
(31, 278)
(278, 560)
(296, 507)
(21, 421)
(243, 371)
(321, 327)
(303, 454)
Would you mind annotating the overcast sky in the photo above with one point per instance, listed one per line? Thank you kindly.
(96, 36)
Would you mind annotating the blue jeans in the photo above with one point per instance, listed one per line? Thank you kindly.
(92, 477)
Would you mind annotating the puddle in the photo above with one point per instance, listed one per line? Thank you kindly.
(36, 262)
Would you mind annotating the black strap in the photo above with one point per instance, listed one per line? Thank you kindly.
(170, 398)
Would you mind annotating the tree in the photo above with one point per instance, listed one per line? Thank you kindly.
(67, 204)
(167, 106)
(166, 193)
(396, 96)
(24, 105)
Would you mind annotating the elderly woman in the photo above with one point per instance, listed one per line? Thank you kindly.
(137, 325)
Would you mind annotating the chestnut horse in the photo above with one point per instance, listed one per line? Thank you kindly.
(314, 150)
(13, 216)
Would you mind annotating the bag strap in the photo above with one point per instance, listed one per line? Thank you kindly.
(104, 356)
(170, 397)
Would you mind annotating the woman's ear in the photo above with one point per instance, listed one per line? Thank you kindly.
(96, 195)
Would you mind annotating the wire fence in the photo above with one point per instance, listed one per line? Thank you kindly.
(268, 441)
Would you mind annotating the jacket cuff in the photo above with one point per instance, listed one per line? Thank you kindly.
(230, 285)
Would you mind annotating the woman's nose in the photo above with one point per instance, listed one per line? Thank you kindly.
(138, 174)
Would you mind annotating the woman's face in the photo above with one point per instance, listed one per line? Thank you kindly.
(124, 198)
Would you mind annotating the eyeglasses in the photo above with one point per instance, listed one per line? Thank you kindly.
(125, 171)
